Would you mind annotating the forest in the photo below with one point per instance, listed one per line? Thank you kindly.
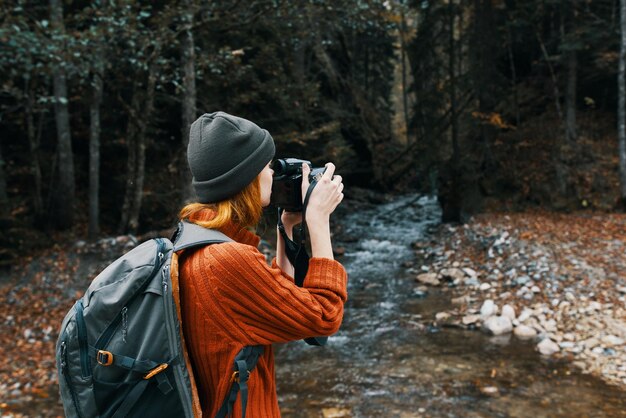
(489, 104)
(482, 144)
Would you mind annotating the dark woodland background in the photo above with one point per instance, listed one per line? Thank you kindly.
(493, 105)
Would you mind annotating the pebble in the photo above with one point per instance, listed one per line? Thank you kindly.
(428, 278)
(442, 316)
(508, 311)
(598, 350)
(484, 286)
(490, 390)
(547, 347)
(590, 343)
(549, 325)
(595, 306)
(472, 282)
(452, 274)
(470, 319)
(336, 413)
(498, 325)
(535, 289)
(612, 340)
(488, 309)
(472, 273)
(524, 332)
(461, 300)
(526, 313)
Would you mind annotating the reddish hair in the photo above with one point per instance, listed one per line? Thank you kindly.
(244, 209)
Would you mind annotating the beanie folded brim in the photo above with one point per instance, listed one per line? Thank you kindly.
(232, 182)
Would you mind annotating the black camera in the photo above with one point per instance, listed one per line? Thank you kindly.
(287, 185)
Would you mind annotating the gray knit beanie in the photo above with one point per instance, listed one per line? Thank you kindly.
(225, 154)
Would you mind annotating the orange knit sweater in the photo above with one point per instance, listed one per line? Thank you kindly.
(231, 298)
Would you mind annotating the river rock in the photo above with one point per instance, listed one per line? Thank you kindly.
(428, 278)
(472, 273)
(442, 316)
(336, 413)
(590, 343)
(526, 313)
(484, 286)
(524, 332)
(488, 309)
(470, 319)
(612, 340)
(549, 325)
(508, 311)
(461, 300)
(490, 390)
(472, 282)
(547, 347)
(452, 274)
(595, 306)
(498, 325)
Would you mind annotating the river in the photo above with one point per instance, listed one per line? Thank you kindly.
(388, 360)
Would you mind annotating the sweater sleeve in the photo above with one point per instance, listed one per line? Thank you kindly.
(261, 304)
(284, 274)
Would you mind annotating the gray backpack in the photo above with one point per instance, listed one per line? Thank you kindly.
(121, 352)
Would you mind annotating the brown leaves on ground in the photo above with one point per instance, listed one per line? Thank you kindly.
(595, 240)
(34, 299)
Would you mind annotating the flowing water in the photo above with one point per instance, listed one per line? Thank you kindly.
(386, 361)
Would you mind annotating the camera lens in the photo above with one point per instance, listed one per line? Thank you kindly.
(279, 166)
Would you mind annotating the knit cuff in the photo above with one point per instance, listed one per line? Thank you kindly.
(326, 273)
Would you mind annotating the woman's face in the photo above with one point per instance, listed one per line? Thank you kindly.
(265, 181)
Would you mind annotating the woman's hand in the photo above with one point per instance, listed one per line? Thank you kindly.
(326, 195)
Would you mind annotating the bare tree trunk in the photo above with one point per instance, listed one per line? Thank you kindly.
(299, 73)
(140, 143)
(570, 98)
(621, 107)
(4, 198)
(567, 29)
(33, 142)
(403, 55)
(94, 147)
(555, 83)
(456, 152)
(513, 76)
(450, 196)
(65, 192)
(131, 161)
(189, 97)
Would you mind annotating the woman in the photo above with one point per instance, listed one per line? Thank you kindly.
(230, 297)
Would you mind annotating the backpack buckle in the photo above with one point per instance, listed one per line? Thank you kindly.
(104, 358)
(235, 376)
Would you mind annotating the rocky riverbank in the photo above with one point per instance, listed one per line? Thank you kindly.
(557, 279)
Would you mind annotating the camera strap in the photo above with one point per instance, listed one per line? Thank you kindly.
(297, 255)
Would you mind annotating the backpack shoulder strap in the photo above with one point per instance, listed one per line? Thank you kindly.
(191, 235)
